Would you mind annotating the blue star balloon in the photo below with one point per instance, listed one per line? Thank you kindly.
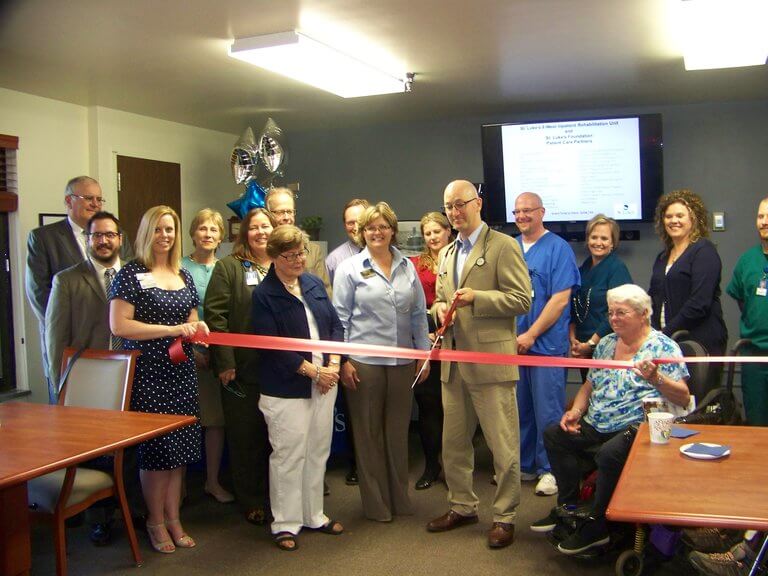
(253, 197)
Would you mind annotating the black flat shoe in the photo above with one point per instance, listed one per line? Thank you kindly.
(427, 480)
(351, 478)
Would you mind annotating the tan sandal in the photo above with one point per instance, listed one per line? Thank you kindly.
(183, 541)
(164, 546)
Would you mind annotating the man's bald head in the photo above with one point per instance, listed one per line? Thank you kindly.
(529, 216)
(462, 206)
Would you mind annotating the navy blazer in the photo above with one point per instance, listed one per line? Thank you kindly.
(690, 292)
(276, 312)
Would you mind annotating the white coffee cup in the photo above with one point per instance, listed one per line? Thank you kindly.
(660, 425)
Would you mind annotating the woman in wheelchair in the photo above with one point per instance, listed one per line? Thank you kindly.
(606, 405)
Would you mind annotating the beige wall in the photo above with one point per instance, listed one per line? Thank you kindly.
(57, 141)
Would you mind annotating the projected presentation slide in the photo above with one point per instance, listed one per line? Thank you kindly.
(579, 168)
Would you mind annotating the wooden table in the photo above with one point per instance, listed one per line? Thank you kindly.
(36, 439)
(660, 485)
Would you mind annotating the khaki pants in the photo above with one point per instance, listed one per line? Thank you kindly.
(494, 406)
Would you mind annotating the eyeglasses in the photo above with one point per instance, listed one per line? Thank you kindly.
(375, 229)
(458, 205)
(618, 313)
(294, 256)
(283, 212)
(89, 199)
(103, 235)
(525, 211)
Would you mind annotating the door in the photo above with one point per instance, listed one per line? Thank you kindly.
(142, 184)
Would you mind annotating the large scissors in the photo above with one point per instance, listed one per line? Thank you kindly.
(438, 338)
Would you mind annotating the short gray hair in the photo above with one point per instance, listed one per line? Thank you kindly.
(634, 296)
(69, 190)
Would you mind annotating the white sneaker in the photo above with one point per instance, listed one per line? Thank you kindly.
(528, 476)
(547, 485)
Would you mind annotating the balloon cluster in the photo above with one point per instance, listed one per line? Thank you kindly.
(256, 163)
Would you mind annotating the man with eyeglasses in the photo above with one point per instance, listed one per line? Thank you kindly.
(542, 332)
(484, 273)
(55, 247)
(281, 202)
(77, 316)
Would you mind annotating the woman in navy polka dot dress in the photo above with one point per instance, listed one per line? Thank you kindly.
(153, 301)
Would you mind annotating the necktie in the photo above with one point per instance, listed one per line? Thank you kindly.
(115, 342)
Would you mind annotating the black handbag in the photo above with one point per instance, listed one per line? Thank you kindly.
(719, 406)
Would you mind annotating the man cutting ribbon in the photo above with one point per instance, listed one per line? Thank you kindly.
(484, 276)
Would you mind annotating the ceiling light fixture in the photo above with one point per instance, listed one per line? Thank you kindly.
(723, 33)
(302, 58)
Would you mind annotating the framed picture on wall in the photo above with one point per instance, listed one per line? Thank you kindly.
(45, 218)
(409, 237)
(234, 228)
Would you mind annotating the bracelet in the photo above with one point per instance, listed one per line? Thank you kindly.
(579, 411)
(659, 379)
(316, 379)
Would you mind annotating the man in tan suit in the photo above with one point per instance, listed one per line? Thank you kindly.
(282, 203)
(485, 272)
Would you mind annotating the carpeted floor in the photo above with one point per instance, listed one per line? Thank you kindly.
(227, 545)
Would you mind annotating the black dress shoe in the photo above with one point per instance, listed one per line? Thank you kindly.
(351, 478)
(101, 534)
(427, 480)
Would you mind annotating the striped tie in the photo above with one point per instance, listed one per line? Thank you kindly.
(115, 342)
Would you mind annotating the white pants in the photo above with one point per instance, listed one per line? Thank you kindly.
(300, 432)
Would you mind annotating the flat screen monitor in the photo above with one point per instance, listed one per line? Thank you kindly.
(579, 167)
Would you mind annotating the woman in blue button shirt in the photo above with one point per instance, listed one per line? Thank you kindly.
(379, 300)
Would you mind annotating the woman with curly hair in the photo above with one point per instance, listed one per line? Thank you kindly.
(685, 284)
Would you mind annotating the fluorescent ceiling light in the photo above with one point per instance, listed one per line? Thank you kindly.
(298, 56)
(723, 33)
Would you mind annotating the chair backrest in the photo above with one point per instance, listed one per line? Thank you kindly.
(98, 379)
(698, 383)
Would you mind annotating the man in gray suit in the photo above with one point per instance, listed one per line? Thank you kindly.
(484, 272)
(77, 316)
(52, 248)
(78, 311)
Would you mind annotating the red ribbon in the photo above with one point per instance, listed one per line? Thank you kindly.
(299, 344)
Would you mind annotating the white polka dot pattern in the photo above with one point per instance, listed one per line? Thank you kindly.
(159, 386)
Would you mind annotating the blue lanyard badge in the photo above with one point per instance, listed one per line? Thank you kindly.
(251, 276)
(762, 287)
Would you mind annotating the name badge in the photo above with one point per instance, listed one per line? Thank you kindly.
(367, 273)
(146, 280)
(761, 287)
(251, 278)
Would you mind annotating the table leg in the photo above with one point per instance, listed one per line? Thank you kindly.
(15, 550)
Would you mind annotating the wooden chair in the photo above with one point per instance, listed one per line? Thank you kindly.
(97, 379)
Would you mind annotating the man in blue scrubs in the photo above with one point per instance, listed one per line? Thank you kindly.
(542, 332)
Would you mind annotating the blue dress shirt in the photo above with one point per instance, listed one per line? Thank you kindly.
(377, 310)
